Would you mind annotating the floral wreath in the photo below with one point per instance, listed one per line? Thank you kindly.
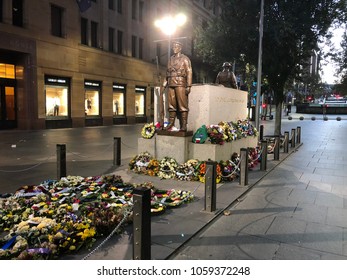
(167, 168)
(148, 130)
(186, 171)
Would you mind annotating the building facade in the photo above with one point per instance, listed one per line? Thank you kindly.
(68, 63)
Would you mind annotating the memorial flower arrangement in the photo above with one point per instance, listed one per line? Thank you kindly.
(167, 168)
(216, 134)
(253, 157)
(140, 162)
(202, 172)
(148, 130)
(153, 167)
(230, 169)
(61, 217)
(245, 128)
(187, 170)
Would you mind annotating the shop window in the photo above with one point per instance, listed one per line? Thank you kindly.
(118, 100)
(92, 102)
(56, 101)
(140, 101)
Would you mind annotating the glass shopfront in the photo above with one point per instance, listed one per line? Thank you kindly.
(57, 97)
(92, 98)
(140, 94)
(57, 102)
(92, 102)
(118, 99)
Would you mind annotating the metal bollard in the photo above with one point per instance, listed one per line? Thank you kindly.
(261, 132)
(286, 142)
(244, 166)
(293, 138)
(116, 151)
(142, 224)
(210, 186)
(61, 161)
(298, 135)
(277, 148)
(263, 162)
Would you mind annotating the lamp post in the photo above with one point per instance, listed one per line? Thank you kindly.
(168, 25)
(260, 51)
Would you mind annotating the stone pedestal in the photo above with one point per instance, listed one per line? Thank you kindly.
(173, 144)
(217, 152)
(211, 104)
(208, 104)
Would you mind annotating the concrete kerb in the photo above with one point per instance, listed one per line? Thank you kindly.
(220, 212)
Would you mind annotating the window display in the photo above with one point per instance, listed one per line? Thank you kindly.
(92, 103)
(118, 100)
(140, 101)
(56, 101)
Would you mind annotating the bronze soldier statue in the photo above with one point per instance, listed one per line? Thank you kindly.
(226, 77)
(179, 82)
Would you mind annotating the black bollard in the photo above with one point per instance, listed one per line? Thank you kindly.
(298, 135)
(61, 161)
(210, 186)
(244, 167)
(261, 132)
(286, 142)
(293, 138)
(277, 148)
(142, 224)
(117, 151)
(263, 162)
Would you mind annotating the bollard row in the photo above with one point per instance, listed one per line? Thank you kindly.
(61, 157)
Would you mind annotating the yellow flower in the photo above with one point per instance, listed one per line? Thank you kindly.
(72, 248)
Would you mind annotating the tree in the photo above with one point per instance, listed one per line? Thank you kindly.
(292, 29)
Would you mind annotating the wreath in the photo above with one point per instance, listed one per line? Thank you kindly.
(186, 171)
(148, 130)
(167, 168)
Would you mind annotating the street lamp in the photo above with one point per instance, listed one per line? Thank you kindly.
(168, 25)
(260, 53)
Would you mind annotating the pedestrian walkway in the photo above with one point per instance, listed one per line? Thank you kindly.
(297, 211)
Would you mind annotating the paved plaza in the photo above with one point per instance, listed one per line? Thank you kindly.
(296, 209)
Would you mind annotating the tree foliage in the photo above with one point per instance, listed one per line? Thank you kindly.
(292, 29)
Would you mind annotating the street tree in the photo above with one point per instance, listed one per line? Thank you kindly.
(292, 29)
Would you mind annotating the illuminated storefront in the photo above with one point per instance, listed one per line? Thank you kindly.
(118, 102)
(57, 102)
(140, 104)
(92, 102)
